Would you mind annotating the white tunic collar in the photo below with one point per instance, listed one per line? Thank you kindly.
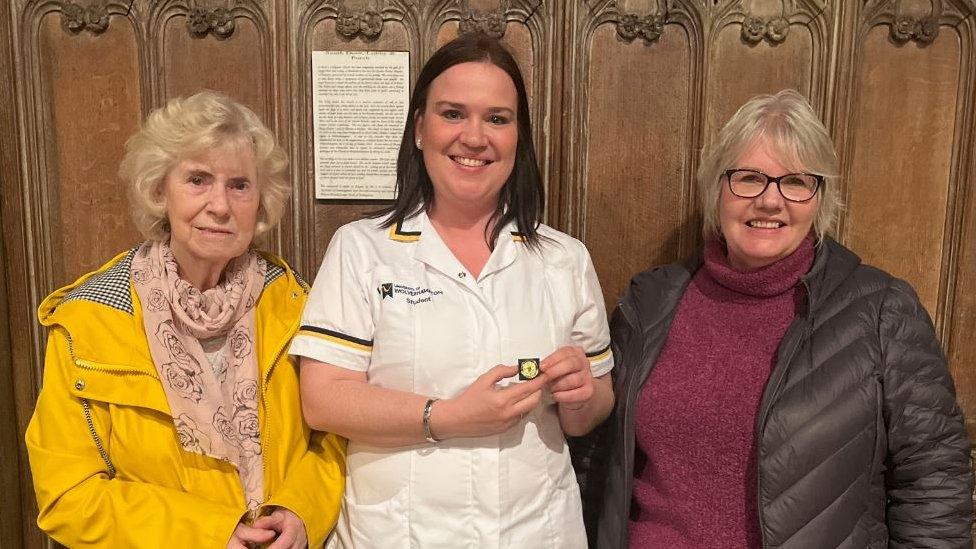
(430, 248)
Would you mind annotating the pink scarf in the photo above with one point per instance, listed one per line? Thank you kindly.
(213, 403)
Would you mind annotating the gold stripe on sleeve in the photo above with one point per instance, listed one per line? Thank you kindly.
(597, 356)
(338, 338)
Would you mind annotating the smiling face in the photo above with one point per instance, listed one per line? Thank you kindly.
(762, 230)
(469, 133)
(212, 202)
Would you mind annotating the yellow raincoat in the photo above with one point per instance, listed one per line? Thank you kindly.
(108, 467)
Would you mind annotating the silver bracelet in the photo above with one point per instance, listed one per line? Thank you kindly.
(427, 434)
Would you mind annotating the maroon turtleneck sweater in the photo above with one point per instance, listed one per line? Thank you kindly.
(695, 476)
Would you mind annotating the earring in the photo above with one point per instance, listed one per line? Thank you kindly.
(418, 145)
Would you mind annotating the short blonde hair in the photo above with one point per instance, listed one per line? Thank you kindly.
(787, 123)
(185, 127)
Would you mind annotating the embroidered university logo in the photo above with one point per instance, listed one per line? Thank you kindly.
(412, 295)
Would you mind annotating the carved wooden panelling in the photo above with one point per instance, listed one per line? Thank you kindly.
(11, 527)
(764, 47)
(909, 149)
(961, 315)
(629, 101)
(961, 346)
(91, 83)
(739, 72)
(13, 480)
(899, 187)
(228, 54)
(637, 180)
(518, 39)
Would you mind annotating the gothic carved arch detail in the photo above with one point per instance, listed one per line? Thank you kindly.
(905, 26)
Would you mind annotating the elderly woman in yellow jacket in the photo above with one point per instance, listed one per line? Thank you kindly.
(170, 413)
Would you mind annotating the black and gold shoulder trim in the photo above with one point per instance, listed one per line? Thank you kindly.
(397, 233)
(337, 337)
(597, 356)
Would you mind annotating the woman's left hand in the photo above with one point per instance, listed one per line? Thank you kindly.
(571, 380)
(290, 529)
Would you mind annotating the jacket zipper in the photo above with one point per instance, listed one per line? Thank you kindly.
(266, 428)
(802, 324)
(98, 441)
(628, 456)
(629, 442)
(86, 365)
(86, 406)
(635, 387)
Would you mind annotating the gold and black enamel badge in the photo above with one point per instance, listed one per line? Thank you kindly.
(528, 368)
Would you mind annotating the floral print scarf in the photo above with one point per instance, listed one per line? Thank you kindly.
(213, 401)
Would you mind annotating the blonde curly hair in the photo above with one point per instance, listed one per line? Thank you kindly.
(183, 128)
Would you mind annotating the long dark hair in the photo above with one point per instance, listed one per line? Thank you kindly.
(522, 199)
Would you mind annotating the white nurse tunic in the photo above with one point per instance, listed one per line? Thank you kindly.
(395, 303)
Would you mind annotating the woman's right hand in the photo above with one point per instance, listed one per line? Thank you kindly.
(245, 537)
(484, 408)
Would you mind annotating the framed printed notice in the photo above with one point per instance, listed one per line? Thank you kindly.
(360, 102)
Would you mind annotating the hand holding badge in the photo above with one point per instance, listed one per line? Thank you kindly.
(490, 405)
(570, 377)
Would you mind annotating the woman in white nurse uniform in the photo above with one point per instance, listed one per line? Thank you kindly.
(453, 339)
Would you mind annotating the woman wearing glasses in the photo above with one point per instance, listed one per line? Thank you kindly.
(775, 391)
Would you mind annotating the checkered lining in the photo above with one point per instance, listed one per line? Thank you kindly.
(109, 288)
(273, 273)
(112, 287)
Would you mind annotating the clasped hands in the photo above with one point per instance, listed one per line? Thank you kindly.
(282, 528)
(485, 408)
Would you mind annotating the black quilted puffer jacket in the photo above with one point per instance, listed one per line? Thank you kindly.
(860, 402)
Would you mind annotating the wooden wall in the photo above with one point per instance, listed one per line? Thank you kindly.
(624, 93)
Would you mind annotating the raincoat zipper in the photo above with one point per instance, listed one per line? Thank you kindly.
(266, 428)
(98, 441)
(86, 406)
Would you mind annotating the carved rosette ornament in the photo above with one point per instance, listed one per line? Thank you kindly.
(76, 18)
(217, 21)
(755, 29)
(632, 26)
(493, 23)
(906, 28)
(368, 24)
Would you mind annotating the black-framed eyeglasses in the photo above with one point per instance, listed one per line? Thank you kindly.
(795, 187)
